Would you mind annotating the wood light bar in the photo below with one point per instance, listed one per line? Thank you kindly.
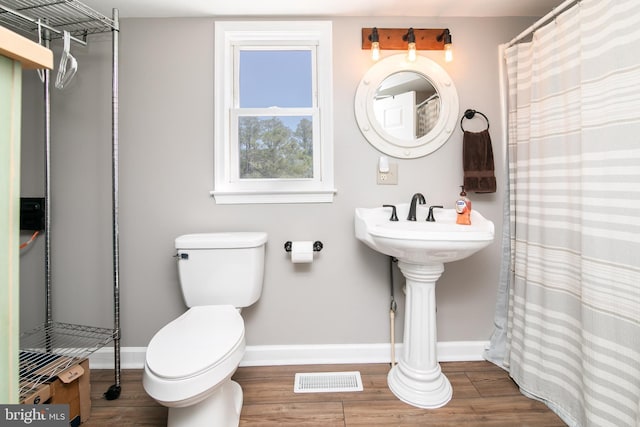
(391, 38)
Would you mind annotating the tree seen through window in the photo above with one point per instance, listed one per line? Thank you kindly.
(275, 147)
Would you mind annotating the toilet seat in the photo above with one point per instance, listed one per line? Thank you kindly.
(197, 341)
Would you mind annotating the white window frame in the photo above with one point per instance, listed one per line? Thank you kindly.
(228, 187)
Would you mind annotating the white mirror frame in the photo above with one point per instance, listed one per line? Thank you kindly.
(393, 146)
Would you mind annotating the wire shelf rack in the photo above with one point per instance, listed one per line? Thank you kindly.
(57, 16)
(49, 350)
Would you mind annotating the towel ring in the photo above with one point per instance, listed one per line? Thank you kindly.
(469, 114)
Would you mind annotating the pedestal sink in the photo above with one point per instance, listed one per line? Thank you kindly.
(421, 248)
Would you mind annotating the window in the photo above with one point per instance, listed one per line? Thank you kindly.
(273, 112)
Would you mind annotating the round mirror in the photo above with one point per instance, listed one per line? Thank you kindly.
(406, 109)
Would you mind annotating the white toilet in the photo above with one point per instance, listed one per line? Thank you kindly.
(190, 361)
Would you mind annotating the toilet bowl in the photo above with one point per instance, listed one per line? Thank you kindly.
(190, 361)
(189, 365)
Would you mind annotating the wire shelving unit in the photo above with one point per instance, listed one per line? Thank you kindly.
(53, 347)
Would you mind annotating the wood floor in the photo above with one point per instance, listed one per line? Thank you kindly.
(483, 395)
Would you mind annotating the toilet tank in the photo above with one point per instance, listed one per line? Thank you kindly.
(221, 268)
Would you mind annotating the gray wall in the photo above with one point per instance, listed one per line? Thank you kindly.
(166, 172)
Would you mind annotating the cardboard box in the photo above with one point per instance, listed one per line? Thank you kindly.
(71, 387)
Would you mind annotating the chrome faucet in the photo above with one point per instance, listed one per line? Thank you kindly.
(419, 199)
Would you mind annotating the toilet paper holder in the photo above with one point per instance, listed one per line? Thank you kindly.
(317, 246)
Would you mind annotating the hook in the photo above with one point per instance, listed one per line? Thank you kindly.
(469, 114)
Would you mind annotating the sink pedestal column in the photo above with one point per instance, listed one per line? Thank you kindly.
(417, 378)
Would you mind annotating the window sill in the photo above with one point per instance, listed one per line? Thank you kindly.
(254, 197)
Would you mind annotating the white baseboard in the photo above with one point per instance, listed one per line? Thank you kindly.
(130, 358)
(326, 354)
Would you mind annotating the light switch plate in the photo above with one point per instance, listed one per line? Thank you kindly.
(388, 178)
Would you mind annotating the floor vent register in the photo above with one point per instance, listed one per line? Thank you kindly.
(327, 382)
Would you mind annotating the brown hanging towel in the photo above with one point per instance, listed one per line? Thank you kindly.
(477, 161)
(477, 158)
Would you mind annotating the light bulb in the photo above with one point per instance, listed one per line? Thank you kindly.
(411, 52)
(375, 51)
(448, 52)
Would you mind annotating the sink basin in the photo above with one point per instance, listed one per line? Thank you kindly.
(421, 248)
(422, 242)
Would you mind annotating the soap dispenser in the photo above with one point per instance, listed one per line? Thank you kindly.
(463, 208)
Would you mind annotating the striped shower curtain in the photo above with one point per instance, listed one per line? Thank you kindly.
(572, 320)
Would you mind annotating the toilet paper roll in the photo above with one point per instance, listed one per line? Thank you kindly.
(301, 252)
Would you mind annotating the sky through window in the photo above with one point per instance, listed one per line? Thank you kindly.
(275, 78)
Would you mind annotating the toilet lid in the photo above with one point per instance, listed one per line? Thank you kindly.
(195, 341)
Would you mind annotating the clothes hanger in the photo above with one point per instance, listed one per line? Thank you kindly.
(65, 75)
(39, 71)
(469, 114)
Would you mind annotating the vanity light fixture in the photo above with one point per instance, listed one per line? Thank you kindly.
(445, 37)
(410, 38)
(374, 38)
(378, 39)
